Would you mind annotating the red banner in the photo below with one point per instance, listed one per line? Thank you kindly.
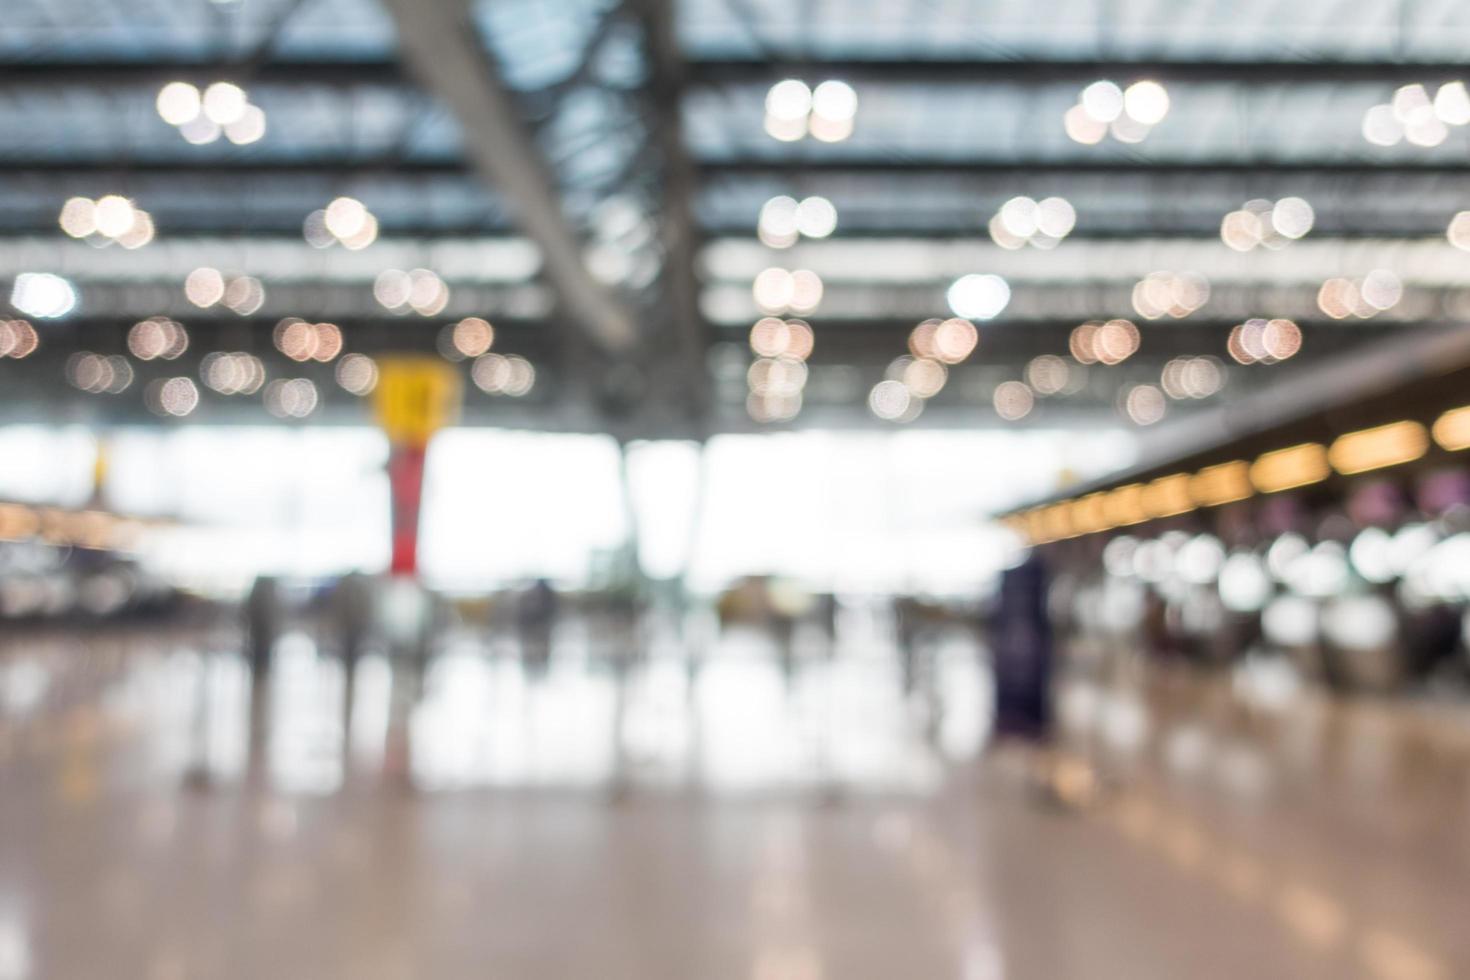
(406, 486)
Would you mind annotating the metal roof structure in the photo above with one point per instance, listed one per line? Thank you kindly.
(588, 176)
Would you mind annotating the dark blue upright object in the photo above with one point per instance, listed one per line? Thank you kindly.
(1021, 642)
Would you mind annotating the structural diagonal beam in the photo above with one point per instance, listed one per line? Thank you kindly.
(441, 45)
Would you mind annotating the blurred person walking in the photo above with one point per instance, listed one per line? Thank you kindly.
(535, 620)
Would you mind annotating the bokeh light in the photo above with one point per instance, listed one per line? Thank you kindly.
(1170, 294)
(157, 337)
(172, 396)
(291, 398)
(1192, 377)
(1048, 374)
(204, 287)
(357, 374)
(18, 339)
(473, 336)
(1013, 400)
(1144, 404)
(978, 296)
(178, 103)
(890, 400)
(1146, 102)
(43, 295)
(224, 103)
(1261, 341)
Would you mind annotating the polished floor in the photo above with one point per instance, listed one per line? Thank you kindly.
(826, 816)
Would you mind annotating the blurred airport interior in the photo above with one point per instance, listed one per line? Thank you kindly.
(667, 489)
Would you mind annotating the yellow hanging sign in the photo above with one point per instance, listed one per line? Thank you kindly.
(415, 397)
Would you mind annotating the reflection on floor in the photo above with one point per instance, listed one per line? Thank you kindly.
(739, 814)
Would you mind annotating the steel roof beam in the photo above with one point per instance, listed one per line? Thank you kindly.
(716, 72)
(840, 164)
(441, 44)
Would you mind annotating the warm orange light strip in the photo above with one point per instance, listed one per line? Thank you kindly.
(1380, 446)
(1223, 483)
(1285, 469)
(1168, 496)
(1452, 429)
(83, 529)
(1057, 522)
(1089, 514)
(1124, 505)
(17, 522)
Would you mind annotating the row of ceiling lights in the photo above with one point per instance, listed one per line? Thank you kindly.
(110, 218)
(934, 346)
(242, 373)
(1023, 220)
(222, 108)
(239, 372)
(795, 110)
(1105, 108)
(1411, 115)
(777, 378)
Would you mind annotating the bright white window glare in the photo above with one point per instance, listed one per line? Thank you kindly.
(663, 479)
(866, 512)
(979, 296)
(253, 500)
(564, 489)
(47, 464)
(43, 295)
